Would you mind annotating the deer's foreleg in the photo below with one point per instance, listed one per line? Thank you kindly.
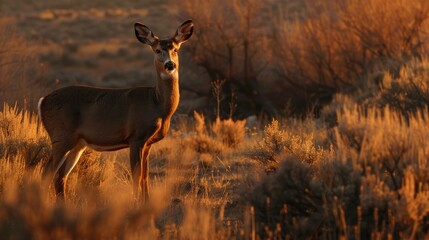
(144, 177)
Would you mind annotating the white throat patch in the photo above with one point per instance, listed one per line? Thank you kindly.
(169, 75)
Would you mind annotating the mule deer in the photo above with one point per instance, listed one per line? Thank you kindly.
(107, 119)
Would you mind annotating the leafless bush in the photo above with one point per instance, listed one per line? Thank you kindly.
(339, 43)
(331, 46)
(229, 45)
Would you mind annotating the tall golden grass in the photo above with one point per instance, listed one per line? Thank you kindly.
(363, 178)
(190, 189)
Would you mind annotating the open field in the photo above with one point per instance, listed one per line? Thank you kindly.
(337, 145)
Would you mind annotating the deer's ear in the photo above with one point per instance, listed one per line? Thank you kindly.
(144, 34)
(184, 32)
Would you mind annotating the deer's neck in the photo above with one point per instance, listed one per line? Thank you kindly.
(167, 90)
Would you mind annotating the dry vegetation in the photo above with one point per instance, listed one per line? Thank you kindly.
(356, 171)
(292, 56)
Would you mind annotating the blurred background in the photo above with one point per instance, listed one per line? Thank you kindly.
(267, 58)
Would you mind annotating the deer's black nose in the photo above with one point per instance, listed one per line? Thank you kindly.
(170, 66)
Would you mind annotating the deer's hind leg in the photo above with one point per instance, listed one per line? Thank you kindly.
(65, 155)
(140, 170)
(135, 162)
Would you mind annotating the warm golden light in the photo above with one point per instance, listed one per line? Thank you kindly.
(298, 119)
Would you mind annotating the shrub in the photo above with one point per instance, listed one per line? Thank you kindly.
(407, 93)
(297, 202)
(231, 133)
(371, 181)
(200, 140)
(277, 144)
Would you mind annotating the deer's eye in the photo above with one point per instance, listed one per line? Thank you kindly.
(157, 51)
(175, 50)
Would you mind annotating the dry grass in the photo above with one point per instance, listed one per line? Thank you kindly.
(365, 177)
(368, 184)
(189, 188)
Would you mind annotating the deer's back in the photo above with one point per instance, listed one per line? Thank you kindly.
(90, 112)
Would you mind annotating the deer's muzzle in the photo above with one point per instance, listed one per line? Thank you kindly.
(170, 66)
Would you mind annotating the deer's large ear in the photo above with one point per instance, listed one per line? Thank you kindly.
(184, 32)
(144, 34)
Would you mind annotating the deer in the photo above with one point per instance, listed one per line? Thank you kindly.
(109, 119)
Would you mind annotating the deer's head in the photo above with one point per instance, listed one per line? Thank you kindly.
(165, 50)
